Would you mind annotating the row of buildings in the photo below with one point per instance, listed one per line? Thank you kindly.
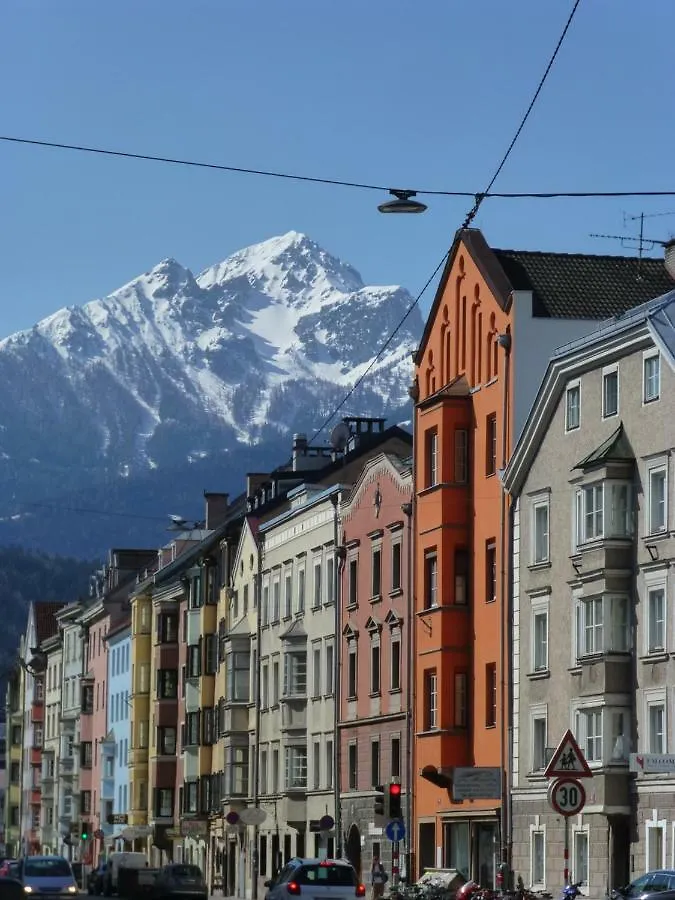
(397, 608)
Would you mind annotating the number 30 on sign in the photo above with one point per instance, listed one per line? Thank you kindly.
(567, 796)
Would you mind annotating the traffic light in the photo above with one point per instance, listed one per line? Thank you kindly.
(395, 811)
(379, 800)
(85, 831)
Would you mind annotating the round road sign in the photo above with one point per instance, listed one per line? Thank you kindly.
(326, 823)
(567, 796)
(232, 818)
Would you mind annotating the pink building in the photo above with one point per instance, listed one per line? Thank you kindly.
(93, 726)
(375, 658)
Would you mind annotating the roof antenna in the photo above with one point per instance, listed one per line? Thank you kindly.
(641, 241)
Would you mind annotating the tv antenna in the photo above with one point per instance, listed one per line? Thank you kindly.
(641, 243)
(339, 436)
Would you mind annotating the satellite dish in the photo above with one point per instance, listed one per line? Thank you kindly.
(339, 436)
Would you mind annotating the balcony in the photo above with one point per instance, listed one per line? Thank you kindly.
(293, 714)
(604, 674)
(236, 720)
(138, 756)
(293, 810)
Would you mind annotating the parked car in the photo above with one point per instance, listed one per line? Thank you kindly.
(96, 879)
(660, 883)
(318, 879)
(48, 876)
(5, 866)
(180, 880)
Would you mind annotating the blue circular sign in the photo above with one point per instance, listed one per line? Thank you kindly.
(326, 823)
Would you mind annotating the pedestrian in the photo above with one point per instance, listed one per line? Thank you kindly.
(378, 878)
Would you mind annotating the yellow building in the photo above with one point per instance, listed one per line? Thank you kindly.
(141, 655)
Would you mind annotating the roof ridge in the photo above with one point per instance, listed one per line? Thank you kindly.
(577, 255)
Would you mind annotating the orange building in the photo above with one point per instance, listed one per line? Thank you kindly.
(496, 318)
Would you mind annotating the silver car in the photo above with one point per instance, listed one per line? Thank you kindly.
(47, 877)
(316, 879)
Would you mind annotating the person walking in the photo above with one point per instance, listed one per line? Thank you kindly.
(378, 878)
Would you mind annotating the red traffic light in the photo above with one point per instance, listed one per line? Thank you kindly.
(394, 790)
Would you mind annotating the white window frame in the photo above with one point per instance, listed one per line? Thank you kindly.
(288, 593)
(572, 386)
(586, 832)
(431, 700)
(317, 583)
(606, 373)
(655, 581)
(329, 659)
(647, 356)
(655, 466)
(540, 501)
(653, 699)
(317, 657)
(581, 710)
(539, 607)
(538, 713)
(537, 829)
(651, 825)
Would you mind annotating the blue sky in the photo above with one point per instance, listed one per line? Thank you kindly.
(423, 94)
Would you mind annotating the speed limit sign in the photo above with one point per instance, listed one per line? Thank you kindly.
(567, 796)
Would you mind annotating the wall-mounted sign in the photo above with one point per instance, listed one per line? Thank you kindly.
(476, 783)
(652, 763)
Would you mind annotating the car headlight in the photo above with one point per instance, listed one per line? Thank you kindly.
(72, 889)
(27, 889)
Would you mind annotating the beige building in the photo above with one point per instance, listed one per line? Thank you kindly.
(49, 822)
(593, 614)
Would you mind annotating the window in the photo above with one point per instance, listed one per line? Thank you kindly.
(657, 501)
(656, 846)
(316, 765)
(330, 579)
(656, 713)
(237, 771)
(275, 771)
(38, 736)
(295, 674)
(316, 671)
(430, 580)
(375, 671)
(603, 625)
(238, 677)
(539, 729)
(301, 591)
(580, 856)
(210, 654)
(352, 765)
(330, 669)
(191, 796)
(316, 603)
(656, 625)
(620, 735)
(490, 695)
(537, 857)
(539, 638)
(288, 595)
(491, 444)
(490, 571)
(610, 392)
(375, 762)
(244, 610)
(166, 741)
(461, 456)
(431, 457)
(276, 600)
(330, 764)
(265, 611)
(263, 771)
(167, 684)
(430, 700)
(192, 729)
(396, 757)
(275, 683)
(376, 581)
(461, 577)
(352, 676)
(461, 699)
(296, 768)
(651, 376)
(589, 733)
(396, 566)
(353, 582)
(164, 803)
(573, 406)
(540, 531)
(194, 660)
(396, 664)
(264, 686)
(168, 628)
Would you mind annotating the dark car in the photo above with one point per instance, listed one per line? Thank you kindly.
(96, 879)
(318, 879)
(180, 880)
(659, 883)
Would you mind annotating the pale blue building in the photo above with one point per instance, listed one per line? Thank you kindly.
(115, 750)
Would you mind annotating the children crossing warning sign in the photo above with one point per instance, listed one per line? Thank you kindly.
(568, 760)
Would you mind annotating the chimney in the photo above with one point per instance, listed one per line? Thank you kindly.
(217, 506)
(254, 480)
(299, 450)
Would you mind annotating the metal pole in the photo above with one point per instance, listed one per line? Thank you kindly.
(566, 853)
(395, 848)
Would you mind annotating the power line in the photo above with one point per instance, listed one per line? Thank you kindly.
(269, 173)
(480, 197)
(384, 346)
(94, 512)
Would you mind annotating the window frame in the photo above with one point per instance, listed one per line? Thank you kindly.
(649, 355)
(535, 883)
(538, 713)
(656, 467)
(540, 502)
(431, 579)
(607, 373)
(431, 708)
(491, 577)
(431, 458)
(491, 445)
(491, 695)
(577, 831)
(657, 583)
(571, 388)
(539, 608)
(460, 686)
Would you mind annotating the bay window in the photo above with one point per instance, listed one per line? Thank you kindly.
(589, 733)
(603, 733)
(296, 768)
(238, 677)
(237, 772)
(603, 510)
(603, 625)
(295, 674)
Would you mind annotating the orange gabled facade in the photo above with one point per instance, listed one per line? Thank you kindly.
(462, 441)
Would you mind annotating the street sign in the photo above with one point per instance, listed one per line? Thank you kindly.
(232, 818)
(652, 763)
(567, 796)
(252, 815)
(568, 761)
(395, 830)
(476, 783)
(326, 823)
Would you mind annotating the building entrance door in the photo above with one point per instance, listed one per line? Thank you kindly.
(485, 849)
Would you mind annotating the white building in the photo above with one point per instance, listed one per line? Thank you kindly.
(49, 833)
(67, 765)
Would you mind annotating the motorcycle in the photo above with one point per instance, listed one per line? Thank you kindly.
(571, 891)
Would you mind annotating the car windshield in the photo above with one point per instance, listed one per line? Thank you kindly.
(326, 875)
(46, 868)
(185, 872)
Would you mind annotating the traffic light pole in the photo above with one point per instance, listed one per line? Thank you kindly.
(395, 869)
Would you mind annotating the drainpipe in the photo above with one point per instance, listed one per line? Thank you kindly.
(504, 341)
(257, 593)
(337, 675)
(408, 509)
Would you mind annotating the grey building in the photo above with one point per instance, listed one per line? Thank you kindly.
(593, 614)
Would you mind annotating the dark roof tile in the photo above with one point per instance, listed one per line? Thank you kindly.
(46, 625)
(583, 286)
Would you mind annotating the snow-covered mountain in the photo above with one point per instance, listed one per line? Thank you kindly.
(171, 368)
